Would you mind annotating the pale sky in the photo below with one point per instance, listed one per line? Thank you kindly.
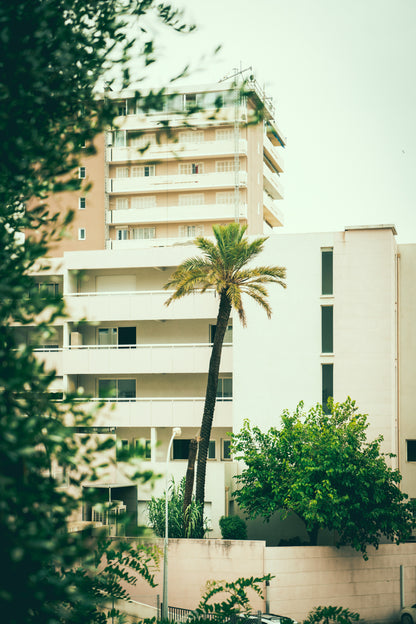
(342, 75)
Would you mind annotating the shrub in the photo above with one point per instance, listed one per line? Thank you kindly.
(329, 615)
(233, 527)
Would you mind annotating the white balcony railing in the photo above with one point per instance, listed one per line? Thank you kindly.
(273, 154)
(205, 149)
(142, 359)
(272, 211)
(139, 305)
(192, 181)
(178, 214)
(159, 412)
(272, 183)
(51, 357)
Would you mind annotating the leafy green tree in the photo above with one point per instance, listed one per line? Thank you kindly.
(223, 266)
(323, 468)
(53, 55)
(179, 524)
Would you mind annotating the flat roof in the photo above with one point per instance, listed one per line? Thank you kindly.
(381, 226)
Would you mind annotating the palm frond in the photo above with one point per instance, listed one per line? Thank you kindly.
(259, 298)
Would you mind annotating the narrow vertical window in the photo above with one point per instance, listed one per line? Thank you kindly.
(81, 172)
(82, 235)
(82, 203)
(327, 329)
(327, 385)
(327, 271)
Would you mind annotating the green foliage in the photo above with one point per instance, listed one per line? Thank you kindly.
(53, 55)
(233, 527)
(176, 525)
(331, 615)
(322, 467)
(237, 599)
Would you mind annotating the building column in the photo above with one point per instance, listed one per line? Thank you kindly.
(153, 443)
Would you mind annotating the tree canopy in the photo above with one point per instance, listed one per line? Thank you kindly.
(323, 468)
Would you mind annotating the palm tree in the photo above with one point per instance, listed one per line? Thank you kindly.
(223, 267)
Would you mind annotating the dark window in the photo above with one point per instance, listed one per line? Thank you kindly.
(327, 385)
(180, 449)
(126, 335)
(117, 388)
(211, 449)
(327, 270)
(411, 450)
(82, 203)
(225, 388)
(327, 329)
(82, 172)
(226, 449)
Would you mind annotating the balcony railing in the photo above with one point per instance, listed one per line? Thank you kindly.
(204, 149)
(142, 359)
(139, 305)
(178, 214)
(272, 183)
(273, 154)
(192, 181)
(272, 212)
(159, 412)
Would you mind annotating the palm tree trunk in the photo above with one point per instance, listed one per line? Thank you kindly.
(211, 397)
(189, 483)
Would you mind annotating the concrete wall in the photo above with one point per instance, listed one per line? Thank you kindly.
(305, 577)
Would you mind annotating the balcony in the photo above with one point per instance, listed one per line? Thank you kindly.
(271, 182)
(139, 305)
(273, 154)
(174, 151)
(272, 213)
(178, 214)
(159, 412)
(142, 359)
(156, 119)
(51, 357)
(188, 182)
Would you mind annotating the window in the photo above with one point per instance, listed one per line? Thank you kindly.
(143, 202)
(81, 172)
(190, 100)
(47, 289)
(120, 139)
(224, 134)
(211, 449)
(122, 234)
(228, 336)
(144, 446)
(327, 329)
(224, 165)
(143, 172)
(190, 168)
(226, 449)
(190, 231)
(107, 336)
(225, 388)
(81, 203)
(122, 203)
(327, 385)
(117, 388)
(191, 199)
(196, 136)
(143, 233)
(122, 108)
(82, 234)
(411, 450)
(143, 140)
(180, 449)
(327, 272)
(122, 172)
(225, 197)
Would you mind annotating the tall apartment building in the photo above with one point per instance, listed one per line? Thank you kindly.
(149, 186)
(336, 330)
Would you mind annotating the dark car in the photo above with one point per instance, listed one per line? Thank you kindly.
(408, 615)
